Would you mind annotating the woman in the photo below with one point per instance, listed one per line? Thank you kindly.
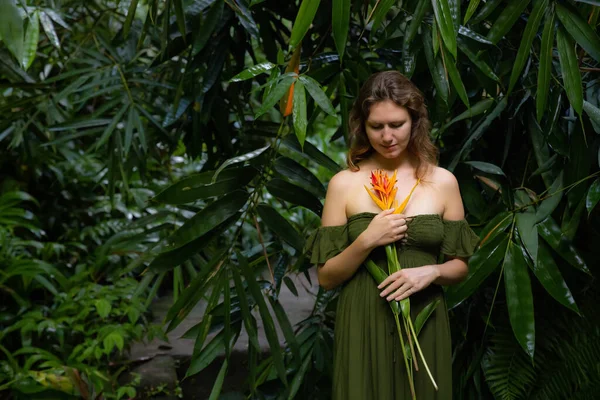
(390, 131)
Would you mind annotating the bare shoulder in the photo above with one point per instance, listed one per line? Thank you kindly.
(335, 201)
(446, 182)
(341, 181)
(443, 178)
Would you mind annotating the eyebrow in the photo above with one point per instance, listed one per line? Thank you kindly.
(370, 122)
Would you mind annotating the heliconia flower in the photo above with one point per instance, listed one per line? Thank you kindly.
(384, 191)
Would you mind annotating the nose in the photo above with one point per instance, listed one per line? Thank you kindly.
(386, 134)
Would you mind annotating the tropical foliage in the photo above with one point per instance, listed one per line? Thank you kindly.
(184, 142)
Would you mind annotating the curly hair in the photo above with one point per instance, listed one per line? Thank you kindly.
(391, 85)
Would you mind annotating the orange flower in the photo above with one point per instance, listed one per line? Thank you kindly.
(384, 191)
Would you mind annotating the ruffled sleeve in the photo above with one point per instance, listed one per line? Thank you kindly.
(326, 242)
(459, 239)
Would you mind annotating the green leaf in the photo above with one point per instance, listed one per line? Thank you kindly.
(545, 69)
(472, 35)
(455, 78)
(340, 24)
(286, 328)
(481, 265)
(111, 127)
(535, 18)
(436, 66)
(209, 23)
(318, 95)
(218, 385)
(276, 94)
(280, 226)
(298, 174)
(593, 196)
(594, 113)
(424, 315)
(378, 13)
(420, 10)
(476, 135)
(248, 318)
(237, 159)
(299, 112)
(32, 37)
(519, 298)
(130, 16)
(525, 222)
(486, 10)
(443, 17)
(495, 227)
(180, 17)
(477, 109)
(475, 59)
(11, 28)
(470, 10)
(549, 204)
(193, 293)
(579, 29)
(253, 71)
(103, 307)
(486, 167)
(49, 29)
(547, 272)
(306, 14)
(551, 233)
(506, 19)
(200, 186)
(570, 69)
(294, 194)
(311, 152)
(207, 219)
(540, 148)
(269, 326)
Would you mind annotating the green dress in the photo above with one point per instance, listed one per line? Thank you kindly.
(368, 361)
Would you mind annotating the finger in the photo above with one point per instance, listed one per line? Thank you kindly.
(407, 294)
(398, 293)
(393, 286)
(388, 280)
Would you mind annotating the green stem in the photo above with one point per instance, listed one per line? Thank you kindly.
(408, 370)
(412, 328)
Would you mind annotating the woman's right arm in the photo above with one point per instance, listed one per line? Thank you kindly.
(381, 231)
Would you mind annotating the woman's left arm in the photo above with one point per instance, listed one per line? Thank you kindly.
(405, 282)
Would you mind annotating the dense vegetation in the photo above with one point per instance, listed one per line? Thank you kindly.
(181, 145)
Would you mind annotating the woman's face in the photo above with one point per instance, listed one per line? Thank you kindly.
(388, 128)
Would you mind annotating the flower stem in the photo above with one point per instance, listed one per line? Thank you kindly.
(408, 369)
(412, 328)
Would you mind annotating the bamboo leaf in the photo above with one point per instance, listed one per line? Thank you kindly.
(481, 265)
(270, 331)
(477, 109)
(130, 16)
(248, 318)
(209, 23)
(280, 226)
(180, 17)
(594, 113)
(286, 328)
(545, 70)
(535, 18)
(570, 69)
(455, 78)
(547, 272)
(111, 127)
(306, 14)
(486, 10)
(200, 186)
(436, 67)
(276, 94)
(340, 24)
(519, 298)
(11, 28)
(475, 59)
(300, 175)
(593, 196)
(551, 233)
(32, 37)
(49, 29)
(294, 194)
(470, 10)
(218, 385)
(443, 17)
(549, 205)
(318, 95)
(253, 71)
(462, 30)
(311, 152)
(378, 13)
(238, 159)
(486, 167)
(207, 219)
(507, 19)
(526, 225)
(579, 29)
(299, 112)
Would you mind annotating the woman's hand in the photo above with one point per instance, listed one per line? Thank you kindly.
(408, 281)
(385, 228)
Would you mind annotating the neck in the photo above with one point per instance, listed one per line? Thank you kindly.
(403, 162)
